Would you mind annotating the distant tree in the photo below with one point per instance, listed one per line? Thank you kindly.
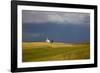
(52, 41)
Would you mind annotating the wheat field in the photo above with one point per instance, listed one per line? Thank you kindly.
(43, 51)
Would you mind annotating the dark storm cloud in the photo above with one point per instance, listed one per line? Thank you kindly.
(57, 26)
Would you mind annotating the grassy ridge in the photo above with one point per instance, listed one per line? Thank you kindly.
(42, 51)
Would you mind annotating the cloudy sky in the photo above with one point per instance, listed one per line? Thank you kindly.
(57, 26)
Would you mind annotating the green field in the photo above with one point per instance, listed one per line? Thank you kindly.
(42, 51)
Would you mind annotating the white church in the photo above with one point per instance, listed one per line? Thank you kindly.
(47, 40)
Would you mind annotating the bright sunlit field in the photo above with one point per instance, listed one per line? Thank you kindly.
(43, 51)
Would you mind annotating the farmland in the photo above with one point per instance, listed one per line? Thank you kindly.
(42, 51)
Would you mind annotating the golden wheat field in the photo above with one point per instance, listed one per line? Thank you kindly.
(42, 51)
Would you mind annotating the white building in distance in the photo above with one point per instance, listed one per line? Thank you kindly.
(47, 40)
